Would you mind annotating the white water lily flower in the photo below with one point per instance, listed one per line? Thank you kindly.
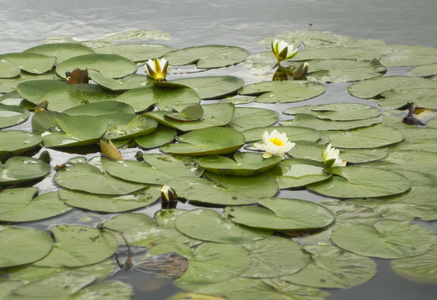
(331, 157)
(283, 50)
(275, 144)
(157, 68)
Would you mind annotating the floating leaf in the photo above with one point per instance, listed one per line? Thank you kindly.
(161, 136)
(30, 62)
(424, 71)
(8, 85)
(16, 142)
(120, 85)
(294, 133)
(212, 87)
(139, 126)
(251, 117)
(190, 113)
(406, 55)
(331, 53)
(12, 115)
(62, 51)
(8, 70)
(33, 90)
(110, 290)
(337, 111)
(359, 156)
(137, 52)
(100, 109)
(19, 169)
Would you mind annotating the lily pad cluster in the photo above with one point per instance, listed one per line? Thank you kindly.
(239, 234)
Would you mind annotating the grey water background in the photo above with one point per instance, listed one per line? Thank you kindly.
(25, 23)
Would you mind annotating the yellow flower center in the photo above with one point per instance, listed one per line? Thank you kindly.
(277, 141)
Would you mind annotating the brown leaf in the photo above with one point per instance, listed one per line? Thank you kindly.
(110, 151)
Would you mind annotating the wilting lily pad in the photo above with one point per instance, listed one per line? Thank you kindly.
(358, 182)
(12, 115)
(209, 225)
(16, 142)
(385, 238)
(61, 51)
(244, 164)
(30, 62)
(331, 267)
(79, 246)
(212, 87)
(208, 56)
(136, 52)
(19, 169)
(283, 91)
(21, 246)
(338, 111)
(109, 65)
(207, 141)
(294, 133)
(19, 205)
(282, 214)
(251, 117)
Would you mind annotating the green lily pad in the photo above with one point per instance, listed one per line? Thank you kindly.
(19, 205)
(282, 214)
(337, 111)
(16, 142)
(137, 52)
(120, 85)
(218, 114)
(209, 225)
(294, 133)
(384, 239)
(251, 117)
(331, 267)
(19, 169)
(11, 115)
(208, 56)
(100, 108)
(139, 126)
(212, 87)
(62, 51)
(78, 246)
(109, 290)
(424, 71)
(21, 246)
(161, 136)
(8, 70)
(207, 141)
(283, 91)
(30, 62)
(358, 182)
(344, 53)
(190, 113)
(396, 99)
(406, 55)
(8, 85)
(33, 90)
(243, 164)
(109, 65)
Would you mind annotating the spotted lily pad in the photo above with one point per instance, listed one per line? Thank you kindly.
(16, 142)
(212, 87)
(19, 169)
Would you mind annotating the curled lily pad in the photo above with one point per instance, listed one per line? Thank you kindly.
(212, 87)
(30, 62)
(16, 142)
(136, 52)
(12, 115)
(207, 141)
(19, 169)
(61, 51)
(244, 164)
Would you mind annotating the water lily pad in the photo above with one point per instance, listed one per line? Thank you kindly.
(209, 225)
(337, 111)
(8, 70)
(251, 117)
(62, 51)
(406, 55)
(33, 90)
(358, 182)
(110, 290)
(243, 164)
(359, 156)
(175, 165)
(30, 62)
(12, 115)
(16, 142)
(19, 169)
(139, 126)
(109, 65)
(212, 87)
(78, 246)
(8, 85)
(190, 113)
(282, 214)
(137, 52)
(283, 91)
(345, 53)
(331, 267)
(19, 205)
(21, 246)
(424, 71)
(208, 56)
(294, 133)
(100, 108)
(398, 98)
(384, 239)
(120, 85)
(161, 136)
(218, 114)
(207, 141)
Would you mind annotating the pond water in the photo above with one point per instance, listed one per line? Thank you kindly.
(237, 23)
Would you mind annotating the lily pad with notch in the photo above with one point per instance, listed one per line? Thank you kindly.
(190, 113)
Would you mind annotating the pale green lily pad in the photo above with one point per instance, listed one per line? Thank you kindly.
(274, 256)
(109, 65)
(8, 70)
(12, 115)
(6, 287)
(19, 169)
(32, 90)
(384, 239)
(423, 139)
(337, 111)
(294, 173)
(209, 225)
(369, 137)
(62, 51)
(218, 114)
(137, 52)
(398, 98)
(360, 156)
(282, 214)
(424, 71)
(161, 136)
(208, 56)
(251, 117)
(261, 62)
(16, 142)
(358, 182)
(421, 268)
(166, 97)
(30, 62)
(139, 126)
(238, 100)
(212, 87)
(100, 109)
(311, 121)
(108, 290)
(21, 246)
(110, 204)
(406, 55)
(207, 141)
(294, 133)
(87, 178)
(243, 164)
(79, 246)
(175, 165)
(190, 113)
(308, 150)
(120, 85)
(339, 53)
(331, 267)
(10, 84)
(418, 179)
(19, 205)
(283, 91)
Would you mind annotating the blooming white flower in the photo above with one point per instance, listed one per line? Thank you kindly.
(157, 68)
(283, 50)
(275, 144)
(331, 157)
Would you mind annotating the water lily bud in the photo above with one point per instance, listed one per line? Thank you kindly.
(301, 71)
(168, 197)
(282, 50)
